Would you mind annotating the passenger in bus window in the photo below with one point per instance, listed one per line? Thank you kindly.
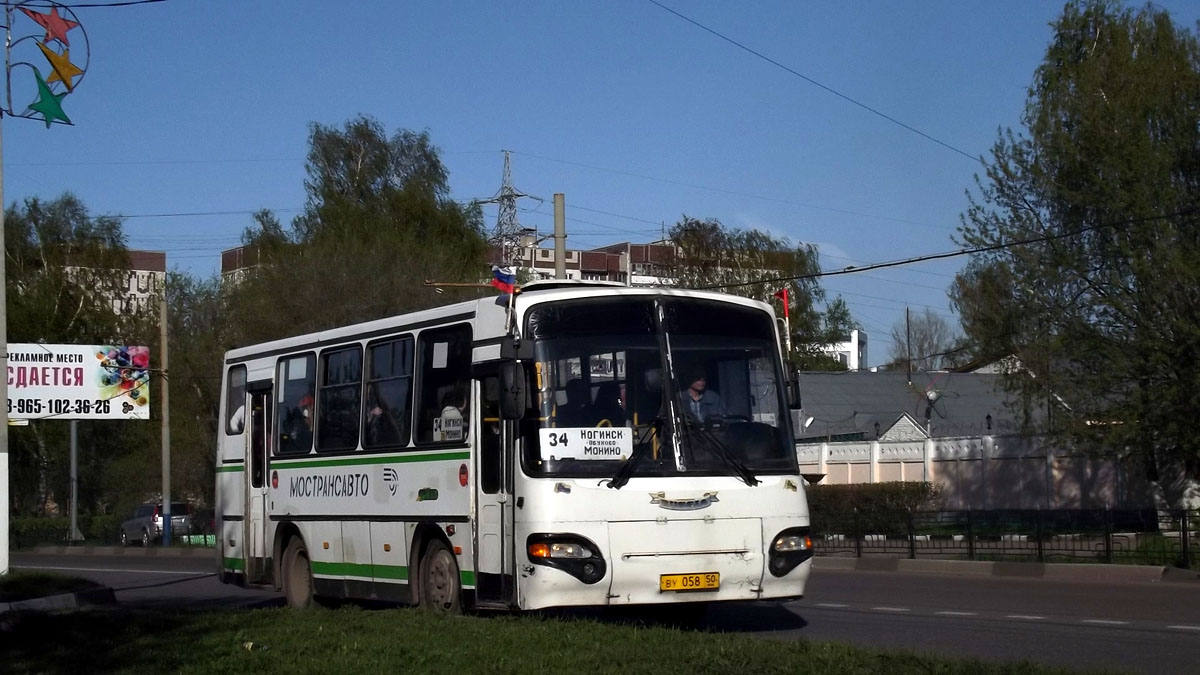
(576, 411)
(300, 425)
(381, 426)
(609, 406)
(699, 402)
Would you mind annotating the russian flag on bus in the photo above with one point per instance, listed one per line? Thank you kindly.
(504, 279)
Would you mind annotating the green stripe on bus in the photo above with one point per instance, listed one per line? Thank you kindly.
(396, 572)
(357, 461)
(235, 564)
(231, 468)
(360, 570)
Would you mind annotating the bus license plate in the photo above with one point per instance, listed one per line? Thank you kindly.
(701, 581)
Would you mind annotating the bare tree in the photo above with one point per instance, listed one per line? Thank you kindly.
(924, 340)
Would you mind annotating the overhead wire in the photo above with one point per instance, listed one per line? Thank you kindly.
(815, 83)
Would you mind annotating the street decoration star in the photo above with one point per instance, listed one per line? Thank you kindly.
(62, 70)
(48, 104)
(56, 26)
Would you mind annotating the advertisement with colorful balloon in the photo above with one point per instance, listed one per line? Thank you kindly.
(81, 382)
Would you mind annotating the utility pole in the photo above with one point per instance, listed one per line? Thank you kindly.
(560, 236)
(166, 422)
(908, 345)
(4, 501)
(507, 234)
(65, 77)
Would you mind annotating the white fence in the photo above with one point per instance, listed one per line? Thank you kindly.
(984, 472)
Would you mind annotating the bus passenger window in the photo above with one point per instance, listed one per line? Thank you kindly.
(442, 404)
(341, 391)
(388, 407)
(294, 403)
(235, 401)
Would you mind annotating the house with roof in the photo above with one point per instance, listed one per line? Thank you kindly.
(961, 431)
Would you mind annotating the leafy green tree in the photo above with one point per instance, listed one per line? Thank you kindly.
(64, 270)
(378, 223)
(756, 265)
(1100, 308)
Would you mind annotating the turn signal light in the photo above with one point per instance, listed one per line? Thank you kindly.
(539, 550)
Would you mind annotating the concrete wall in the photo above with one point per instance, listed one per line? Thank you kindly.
(988, 472)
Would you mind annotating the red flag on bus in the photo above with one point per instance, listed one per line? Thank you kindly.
(782, 294)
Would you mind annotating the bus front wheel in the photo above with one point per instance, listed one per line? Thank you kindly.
(441, 590)
(297, 575)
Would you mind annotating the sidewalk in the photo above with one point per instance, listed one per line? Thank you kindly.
(1099, 573)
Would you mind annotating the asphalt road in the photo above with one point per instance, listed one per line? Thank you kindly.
(151, 580)
(1136, 627)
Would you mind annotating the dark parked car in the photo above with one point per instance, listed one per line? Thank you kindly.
(146, 524)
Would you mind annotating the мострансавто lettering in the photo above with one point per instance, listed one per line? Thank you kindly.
(331, 485)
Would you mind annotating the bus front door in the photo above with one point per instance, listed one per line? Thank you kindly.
(255, 536)
(493, 499)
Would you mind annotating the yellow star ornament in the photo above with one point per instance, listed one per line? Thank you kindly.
(62, 70)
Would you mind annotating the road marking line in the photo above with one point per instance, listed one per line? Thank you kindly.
(1105, 622)
(831, 604)
(958, 613)
(1025, 617)
(106, 569)
(891, 609)
(1184, 627)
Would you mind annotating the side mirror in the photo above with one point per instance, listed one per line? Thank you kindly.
(512, 390)
(793, 390)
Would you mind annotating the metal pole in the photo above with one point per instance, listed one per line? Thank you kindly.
(166, 422)
(560, 236)
(4, 500)
(75, 535)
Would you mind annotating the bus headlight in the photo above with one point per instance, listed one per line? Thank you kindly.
(789, 548)
(570, 553)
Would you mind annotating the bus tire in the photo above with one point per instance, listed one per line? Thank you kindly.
(297, 575)
(441, 590)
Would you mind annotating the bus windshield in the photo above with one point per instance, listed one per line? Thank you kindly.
(655, 386)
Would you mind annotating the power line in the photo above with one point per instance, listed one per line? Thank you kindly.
(815, 83)
(114, 3)
(953, 254)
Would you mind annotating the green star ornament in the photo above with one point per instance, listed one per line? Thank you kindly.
(48, 104)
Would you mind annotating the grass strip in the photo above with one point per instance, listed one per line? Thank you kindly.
(353, 640)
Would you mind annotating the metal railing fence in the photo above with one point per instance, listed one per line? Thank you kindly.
(1130, 536)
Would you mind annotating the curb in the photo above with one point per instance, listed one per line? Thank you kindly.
(153, 551)
(64, 601)
(1098, 573)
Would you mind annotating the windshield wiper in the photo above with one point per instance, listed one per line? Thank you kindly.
(721, 450)
(623, 474)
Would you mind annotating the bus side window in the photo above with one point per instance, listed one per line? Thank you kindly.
(388, 406)
(339, 403)
(444, 357)
(235, 401)
(294, 384)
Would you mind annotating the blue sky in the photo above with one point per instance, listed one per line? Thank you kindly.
(203, 107)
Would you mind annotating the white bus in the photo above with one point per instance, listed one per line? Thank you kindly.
(553, 448)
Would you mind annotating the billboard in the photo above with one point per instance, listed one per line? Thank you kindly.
(78, 382)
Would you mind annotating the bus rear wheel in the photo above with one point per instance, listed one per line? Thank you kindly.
(297, 575)
(441, 590)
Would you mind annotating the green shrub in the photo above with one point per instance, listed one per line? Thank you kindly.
(102, 529)
(882, 508)
(29, 531)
